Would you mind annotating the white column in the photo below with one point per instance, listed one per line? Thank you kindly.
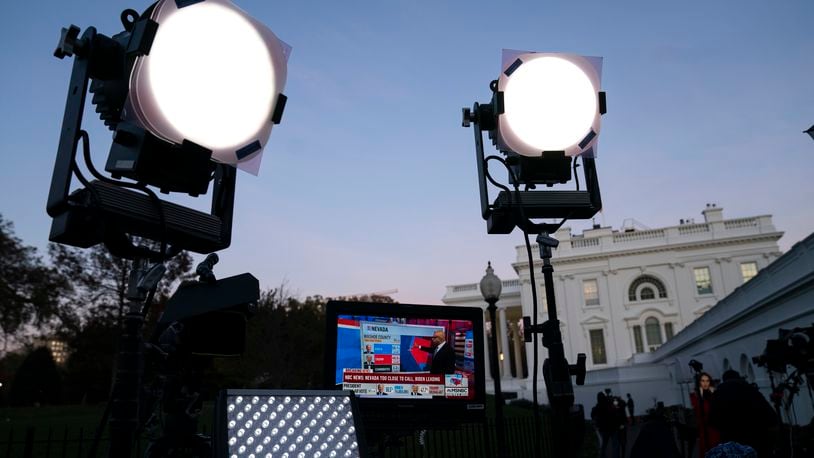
(504, 340)
(487, 354)
(517, 342)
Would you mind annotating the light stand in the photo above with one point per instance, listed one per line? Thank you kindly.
(532, 159)
(556, 370)
(490, 287)
(154, 128)
(124, 413)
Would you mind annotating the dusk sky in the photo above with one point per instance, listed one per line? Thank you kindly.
(370, 183)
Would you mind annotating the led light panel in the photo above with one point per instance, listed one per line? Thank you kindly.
(290, 424)
(551, 103)
(213, 77)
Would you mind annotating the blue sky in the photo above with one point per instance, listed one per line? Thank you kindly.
(369, 183)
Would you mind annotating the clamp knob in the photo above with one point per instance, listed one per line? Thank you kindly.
(68, 42)
(467, 117)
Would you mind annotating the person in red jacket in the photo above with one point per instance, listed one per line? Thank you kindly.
(701, 399)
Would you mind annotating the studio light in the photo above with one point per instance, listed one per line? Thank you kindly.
(213, 77)
(544, 115)
(287, 424)
(191, 89)
(550, 103)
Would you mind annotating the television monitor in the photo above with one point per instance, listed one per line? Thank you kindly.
(392, 358)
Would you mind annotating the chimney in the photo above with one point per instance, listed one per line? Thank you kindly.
(713, 213)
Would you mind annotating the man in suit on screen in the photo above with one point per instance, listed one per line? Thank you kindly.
(442, 355)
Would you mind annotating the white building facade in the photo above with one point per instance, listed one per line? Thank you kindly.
(729, 336)
(622, 294)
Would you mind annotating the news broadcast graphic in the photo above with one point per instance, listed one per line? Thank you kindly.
(401, 357)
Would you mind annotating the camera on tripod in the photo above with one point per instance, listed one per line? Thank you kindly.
(793, 347)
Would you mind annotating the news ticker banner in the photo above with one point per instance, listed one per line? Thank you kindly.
(368, 383)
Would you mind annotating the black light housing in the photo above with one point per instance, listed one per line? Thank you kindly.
(150, 145)
(529, 167)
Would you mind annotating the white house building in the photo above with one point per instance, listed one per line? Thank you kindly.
(728, 336)
(623, 294)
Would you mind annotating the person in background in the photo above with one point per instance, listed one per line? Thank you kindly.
(631, 410)
(599, 416)
(731, 450)
(606, 424)
(620, 415)
(742, 414)
(701, 399)
(655, 437)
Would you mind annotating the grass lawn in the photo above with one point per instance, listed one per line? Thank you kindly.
(42, 418)
(66, 424)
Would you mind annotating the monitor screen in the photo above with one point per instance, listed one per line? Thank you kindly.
(406, 354)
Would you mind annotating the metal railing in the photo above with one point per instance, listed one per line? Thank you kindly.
(467, 440)
(584, 243)
(693, 228)
(625, 237)
(741, 222)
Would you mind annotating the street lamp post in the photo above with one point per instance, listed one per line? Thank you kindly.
(490, 286)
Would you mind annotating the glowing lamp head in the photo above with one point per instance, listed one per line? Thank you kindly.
(213, 76)
(550, 103)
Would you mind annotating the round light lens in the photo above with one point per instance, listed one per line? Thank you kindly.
(550, 104)
(212, 77)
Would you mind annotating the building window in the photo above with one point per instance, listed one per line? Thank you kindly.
(653, 330)
(637, 339)
(703, 282)
(646, 285)
(668, 330)
(590, 291)
(598, 346)
(748, 270)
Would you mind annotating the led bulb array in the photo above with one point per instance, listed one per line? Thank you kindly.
(291, 426)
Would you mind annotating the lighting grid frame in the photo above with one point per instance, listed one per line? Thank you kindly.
(276, 423)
